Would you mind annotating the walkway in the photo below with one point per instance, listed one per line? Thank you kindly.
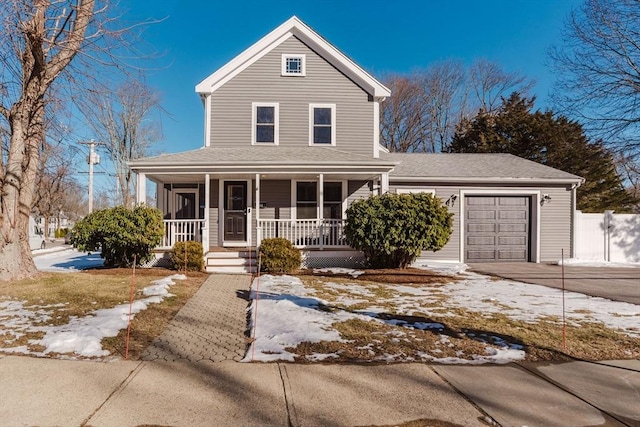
(211, 325)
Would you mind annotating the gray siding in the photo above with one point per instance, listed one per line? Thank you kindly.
(213, 213)
(261, 82)
(555, 224)
(357, 190)
(277, 196)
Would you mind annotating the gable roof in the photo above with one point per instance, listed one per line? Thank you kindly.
(473, 167)
(293, 27)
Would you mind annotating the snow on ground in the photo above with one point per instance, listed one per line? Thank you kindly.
(289, 314)
(82, 336)
(67, 261)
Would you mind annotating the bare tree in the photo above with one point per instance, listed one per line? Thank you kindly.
(123, 120)
(598, 70)
(490, 83)
(426, 106)
(39, 42)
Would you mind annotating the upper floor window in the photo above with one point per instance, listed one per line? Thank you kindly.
(293, 65)
(322, 124)
(265, 128)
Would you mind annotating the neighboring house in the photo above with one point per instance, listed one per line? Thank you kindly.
(292, 139)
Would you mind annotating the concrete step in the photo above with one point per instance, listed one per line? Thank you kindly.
(230, 261)
(232, 269)
(231, 254)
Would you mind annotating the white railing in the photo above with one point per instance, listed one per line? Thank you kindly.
(305, 233)
(180, 230)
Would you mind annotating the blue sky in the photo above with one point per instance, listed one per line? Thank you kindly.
(197, 37)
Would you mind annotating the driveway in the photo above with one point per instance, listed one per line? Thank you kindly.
(614, 283)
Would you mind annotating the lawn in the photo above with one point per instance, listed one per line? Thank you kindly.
(31, 308)
(418, 315)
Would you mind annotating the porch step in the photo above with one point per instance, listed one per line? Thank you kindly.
(231, 262)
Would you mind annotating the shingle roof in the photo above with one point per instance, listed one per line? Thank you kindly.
(253, 154)
(468, 165)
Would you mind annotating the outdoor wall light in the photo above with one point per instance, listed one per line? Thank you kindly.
(545, 199)
(451, 200)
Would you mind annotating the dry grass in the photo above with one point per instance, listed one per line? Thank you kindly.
(464, 333)
(62, 296)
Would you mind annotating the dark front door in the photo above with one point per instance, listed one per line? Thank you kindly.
(235, 211)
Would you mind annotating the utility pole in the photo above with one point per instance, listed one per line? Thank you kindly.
(93, 159)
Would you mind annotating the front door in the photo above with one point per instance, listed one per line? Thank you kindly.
(235, 211)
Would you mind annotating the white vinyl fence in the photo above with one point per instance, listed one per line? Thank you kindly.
(607, 236)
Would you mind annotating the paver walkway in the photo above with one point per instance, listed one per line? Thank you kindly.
(210, 326)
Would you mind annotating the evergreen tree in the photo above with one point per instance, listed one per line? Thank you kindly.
(551, 140)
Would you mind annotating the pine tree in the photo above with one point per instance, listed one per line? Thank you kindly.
(551, 140)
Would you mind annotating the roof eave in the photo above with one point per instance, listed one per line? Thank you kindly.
(491, 180)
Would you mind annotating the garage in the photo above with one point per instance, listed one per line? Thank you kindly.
(497, 228)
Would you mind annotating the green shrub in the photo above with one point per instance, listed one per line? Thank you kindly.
(279, 256)
(121, 234)
(194, 255)
(393, 229)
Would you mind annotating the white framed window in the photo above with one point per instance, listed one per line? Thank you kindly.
(415, 190)
(265, 128)
(294, 65)
(322, 124)
(306, 199)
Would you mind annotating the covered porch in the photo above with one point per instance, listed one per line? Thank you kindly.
(241, 196)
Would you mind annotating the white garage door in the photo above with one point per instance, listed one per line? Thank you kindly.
(497, 228)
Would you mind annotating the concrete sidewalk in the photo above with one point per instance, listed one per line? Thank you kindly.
(47, 392)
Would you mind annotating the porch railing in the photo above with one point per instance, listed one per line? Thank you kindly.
(305, 233)
(180, 230)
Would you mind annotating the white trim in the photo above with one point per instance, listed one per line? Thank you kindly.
(345, 198)
(246, 242)
(320, 197)
(207, 121)
(141, 188)
(303, 64)
(207, 203)
(293, 27)
(414, 190)
(384, 183)
(276, 124)
(312, 124)
(535, 215)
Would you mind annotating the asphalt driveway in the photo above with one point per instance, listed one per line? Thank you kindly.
(614, 283)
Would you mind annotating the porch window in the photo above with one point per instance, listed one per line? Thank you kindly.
(322, 124)
(265, 123)
(306, 200)
(332, 208)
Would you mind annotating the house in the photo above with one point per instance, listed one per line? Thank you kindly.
(292, 139)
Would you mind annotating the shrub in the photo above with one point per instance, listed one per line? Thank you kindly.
(279, 256)
(194, 255)
(393, 229)
(121, 234)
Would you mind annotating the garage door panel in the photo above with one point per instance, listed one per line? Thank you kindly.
(480, 255)
(497, 228)
(509, 215)
(512, 201)
(482, 215)
(512, 228)
(482, 228)
(512, 241)
(481, 240)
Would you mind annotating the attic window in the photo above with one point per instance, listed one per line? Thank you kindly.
(293, 65)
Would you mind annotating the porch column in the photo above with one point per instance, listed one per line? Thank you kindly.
(141, 188)
(257, 196)
(320, 196)
(207, 203)
(160, 197)
(384, 183)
